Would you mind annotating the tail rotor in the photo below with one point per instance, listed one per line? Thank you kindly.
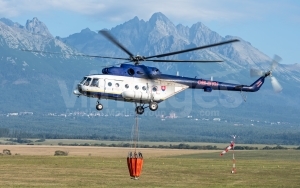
(274, 82)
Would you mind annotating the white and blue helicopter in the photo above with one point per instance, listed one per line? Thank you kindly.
(147, 86)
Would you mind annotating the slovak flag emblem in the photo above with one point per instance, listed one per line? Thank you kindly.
(163, 88)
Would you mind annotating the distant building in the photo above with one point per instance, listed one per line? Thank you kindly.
(26, 113)
(13, 114)
(172, 115)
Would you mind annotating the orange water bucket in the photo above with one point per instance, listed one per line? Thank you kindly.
(135, 164)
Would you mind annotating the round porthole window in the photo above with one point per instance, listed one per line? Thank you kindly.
(109, 84)
(154, 89)
(144, 88)
(126, 86)
(130, 71)
(136, 87)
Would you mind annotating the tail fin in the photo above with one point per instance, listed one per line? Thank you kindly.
(257, 84)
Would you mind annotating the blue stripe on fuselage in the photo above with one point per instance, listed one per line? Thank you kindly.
(195, 83)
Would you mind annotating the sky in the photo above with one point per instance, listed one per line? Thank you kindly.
(271, 26)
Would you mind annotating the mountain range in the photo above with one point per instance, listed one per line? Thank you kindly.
(43, 82)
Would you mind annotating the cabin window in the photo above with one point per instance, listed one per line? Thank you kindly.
(117, 85)
(144, 88)
(109, 84)
(136, 87)
(126, 86)
(95, 82)
(88, 81)
(154, 89)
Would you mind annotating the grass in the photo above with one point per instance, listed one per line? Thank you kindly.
(280, 168)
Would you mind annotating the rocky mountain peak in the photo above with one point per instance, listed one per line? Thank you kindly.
(10, 23)
(37, 27)
(86, 30)
(158, 16)
(160, 26)
(7, 21)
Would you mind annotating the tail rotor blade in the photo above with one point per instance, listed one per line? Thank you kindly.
(276, 86)
(275, 61)
(256, 73)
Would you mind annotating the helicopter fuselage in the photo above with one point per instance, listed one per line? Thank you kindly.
(147, 87)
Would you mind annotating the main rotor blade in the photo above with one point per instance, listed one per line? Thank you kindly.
(276, 86)
(191, 61)
(193, 49)
(113, 40)
(80, 55)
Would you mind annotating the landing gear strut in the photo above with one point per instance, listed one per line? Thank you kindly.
(99, 106)
(139, 110)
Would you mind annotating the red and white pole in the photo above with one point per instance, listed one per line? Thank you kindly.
(233, 159)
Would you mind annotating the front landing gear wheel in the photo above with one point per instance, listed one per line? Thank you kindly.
(153, 106)
(99, 106)
(139, 110)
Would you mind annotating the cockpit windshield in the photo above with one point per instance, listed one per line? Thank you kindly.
(88, 81)
(83, 79)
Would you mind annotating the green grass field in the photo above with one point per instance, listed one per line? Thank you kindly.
(280, 168)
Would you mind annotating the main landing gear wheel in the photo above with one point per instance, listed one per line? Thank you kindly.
(99, 106)
(139, 110)
(153, 106)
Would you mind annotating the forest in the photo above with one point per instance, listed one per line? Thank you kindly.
(150, 129)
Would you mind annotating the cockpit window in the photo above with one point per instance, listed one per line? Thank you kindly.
(88, 81)
(95, 82)
(83, 79)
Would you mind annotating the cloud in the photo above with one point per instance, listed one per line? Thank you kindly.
(179, 11)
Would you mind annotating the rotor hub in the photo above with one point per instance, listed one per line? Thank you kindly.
(137, 59)
(269, 73)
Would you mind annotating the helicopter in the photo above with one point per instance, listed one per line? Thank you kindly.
(147, 86)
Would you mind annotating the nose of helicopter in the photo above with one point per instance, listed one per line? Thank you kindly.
(78, 90)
